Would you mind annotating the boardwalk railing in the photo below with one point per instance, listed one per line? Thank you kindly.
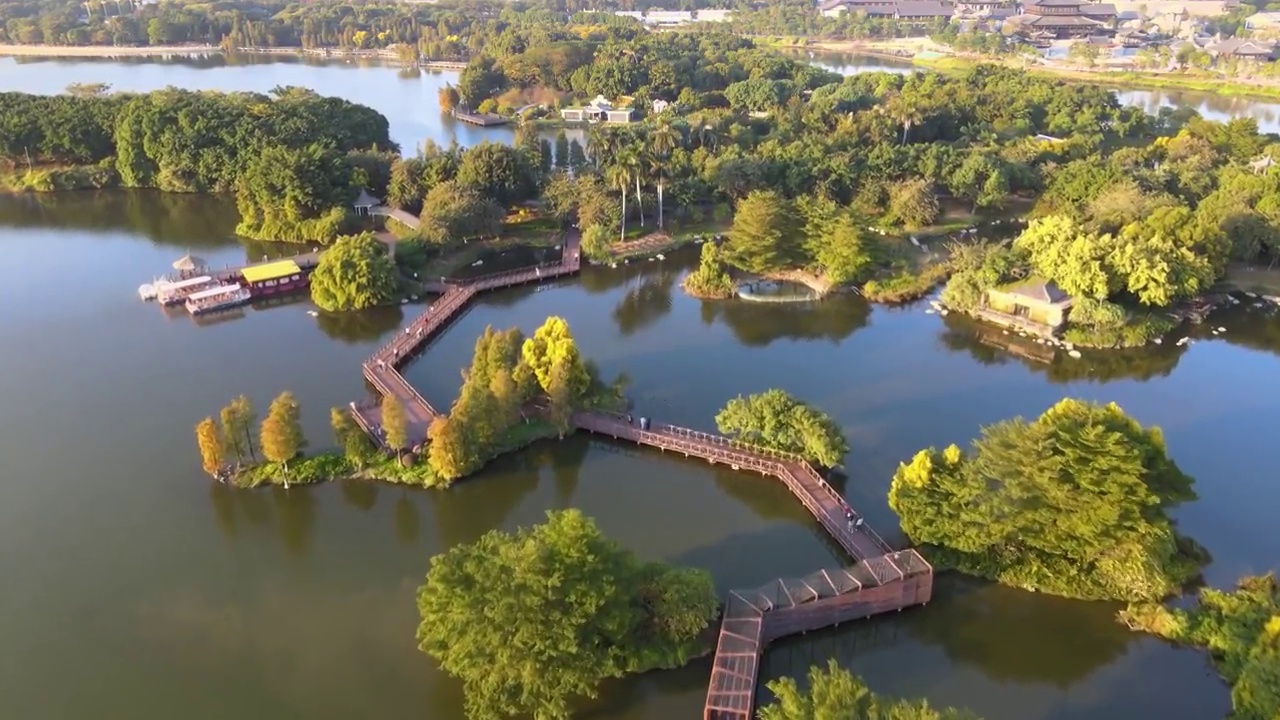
(882, 579)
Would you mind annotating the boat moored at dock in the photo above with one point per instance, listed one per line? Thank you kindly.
(176, 292)
(218, 298)
(273, 278)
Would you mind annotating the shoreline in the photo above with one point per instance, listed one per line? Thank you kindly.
(111, 51)
(104, 51)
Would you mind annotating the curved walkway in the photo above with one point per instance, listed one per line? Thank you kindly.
(880, 580)
(404, 218)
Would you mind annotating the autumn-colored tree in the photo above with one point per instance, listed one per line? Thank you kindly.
(238, 419)
(448, 453)
(448, 97)
(551, 345)
(212, 454)
(282, 437)
(395, 424)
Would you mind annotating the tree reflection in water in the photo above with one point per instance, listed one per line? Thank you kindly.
(295, 517)
(993, 346)
(647, 301)
(408, 521)
(359, 494)
(1015, 636)
(759, 324)
(354, 328)
(164, 218)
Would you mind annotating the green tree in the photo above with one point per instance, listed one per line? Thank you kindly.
(837, 694)
(710, 280)
(355, 274)
(913, 203)
(530, 620)
(562, 149)
(845, 253)
(1073, 503)
(209, 439)
(450, 453)
(395, 425)
(294, 195)
(775, 419)
(348, 436)
(763, 236)
(498, 172)
(282, 437)
(1078, 261)
(453, 211)
(1240, 629)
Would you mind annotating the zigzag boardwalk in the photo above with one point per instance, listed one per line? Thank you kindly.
(382, 369)
(880, 580)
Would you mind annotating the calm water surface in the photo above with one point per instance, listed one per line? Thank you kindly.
(134, 587)
(1209, 105)
(406, 97)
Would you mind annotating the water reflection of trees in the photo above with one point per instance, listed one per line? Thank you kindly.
(1015, 636)
(295, 518)
(408, 521)
(194, 221)
(758, 324)
(645, 302)
(1256, 328)
(360, 327)
(992, 346)
(359, 494)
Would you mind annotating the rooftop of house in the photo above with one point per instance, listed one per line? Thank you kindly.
(1244, 47)
(1036, 289)
(923, 8)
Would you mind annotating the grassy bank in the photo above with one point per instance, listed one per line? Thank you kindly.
(379, 467)
(56, 178)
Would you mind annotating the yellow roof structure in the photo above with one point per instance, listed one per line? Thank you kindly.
(270, 271)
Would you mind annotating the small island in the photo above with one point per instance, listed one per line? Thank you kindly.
(1241, 631)
(532, 620)
(1073, 503)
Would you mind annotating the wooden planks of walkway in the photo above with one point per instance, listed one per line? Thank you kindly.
(382, 369)
(880, 580)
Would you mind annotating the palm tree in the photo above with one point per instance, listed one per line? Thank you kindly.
(662, 141)
(619, 178)
(628, 159)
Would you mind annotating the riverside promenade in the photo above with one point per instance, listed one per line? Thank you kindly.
(881, 579)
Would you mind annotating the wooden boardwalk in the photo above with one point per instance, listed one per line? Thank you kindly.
(382, 369)
(881, 579)
(401, 216)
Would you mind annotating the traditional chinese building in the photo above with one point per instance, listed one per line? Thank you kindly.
(1064, 18)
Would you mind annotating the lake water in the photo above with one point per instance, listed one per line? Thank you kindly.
(134, 587)
(1209, 105)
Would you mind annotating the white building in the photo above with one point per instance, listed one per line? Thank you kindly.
(598, 110)
(714, 15)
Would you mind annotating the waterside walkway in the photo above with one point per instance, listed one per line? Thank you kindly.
(880, 580)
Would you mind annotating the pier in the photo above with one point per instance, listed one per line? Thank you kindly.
(880, 579)
(481, 119)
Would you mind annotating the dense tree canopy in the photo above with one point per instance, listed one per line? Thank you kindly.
(531, 620)
(836, 694)
(1240, 629)
(356, 273)
(775, 419)
(1073, 503)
